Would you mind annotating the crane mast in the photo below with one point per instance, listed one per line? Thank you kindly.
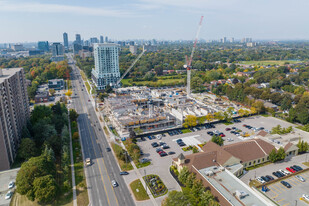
(129, 69)
(189, 61)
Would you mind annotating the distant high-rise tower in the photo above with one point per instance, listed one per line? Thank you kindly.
(43, 45)
(106, 61)
(65, 40)
(57, 51)
(78, 39)
(106, 39)
(101, 39)
(224, 39)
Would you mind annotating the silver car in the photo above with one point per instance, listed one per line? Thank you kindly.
(300, 178)
(114, 183)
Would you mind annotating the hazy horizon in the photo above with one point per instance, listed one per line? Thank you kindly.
(37, 20)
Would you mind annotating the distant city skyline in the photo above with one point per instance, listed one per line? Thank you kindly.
(37, 20)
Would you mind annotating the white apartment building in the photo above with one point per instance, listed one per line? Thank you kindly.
(106, 59)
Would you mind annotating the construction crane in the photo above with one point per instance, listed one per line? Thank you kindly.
(129, 69)
(189, 61)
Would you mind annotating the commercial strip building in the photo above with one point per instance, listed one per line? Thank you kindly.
(218, 168)
(106, 59)
(56, 84)
(14, 113)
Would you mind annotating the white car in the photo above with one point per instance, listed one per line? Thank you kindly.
(11, 185)
(114, 183)
(8, 195)
(285, 172)
(306, 197)
(260, 180)
(159, 136)
(300, 178)
(230, 139)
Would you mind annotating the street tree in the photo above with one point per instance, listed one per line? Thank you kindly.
(190, 121)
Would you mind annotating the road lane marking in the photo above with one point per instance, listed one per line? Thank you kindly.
(95, 154)
(82, 101)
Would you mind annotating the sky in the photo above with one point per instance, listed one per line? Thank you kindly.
(46, 20)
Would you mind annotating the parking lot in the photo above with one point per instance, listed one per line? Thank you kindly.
(288, 196)
(160, 165)
(5, 178)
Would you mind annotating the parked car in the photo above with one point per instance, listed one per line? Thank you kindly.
(163, 154)
(269, 177)
(11, 185)
(161, 143)
(123, 173)
(154, 144)
(260, 180)
(300, 178)
(285, 172)
(165, 146)
(281, 174)
(8, 195)
(143, 139)
(286, 184)
(158, 150)
(298, 167)
(210, 133)
(227, 129)
(108, 149)
(295, 168)
(290, 169)
(265, 178)
(171, 153)
(306, 197)
(144, 160)
(181, 144)
(276, 174)
(114, 183)
(149, 137)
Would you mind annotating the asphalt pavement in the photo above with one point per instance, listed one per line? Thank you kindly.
(104, 167)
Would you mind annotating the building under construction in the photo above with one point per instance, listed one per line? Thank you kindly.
(128, 112)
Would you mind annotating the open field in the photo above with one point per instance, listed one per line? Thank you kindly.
(162, 81)
(270, 62)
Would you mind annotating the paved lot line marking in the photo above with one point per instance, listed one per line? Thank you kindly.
(280, 200)
(292, 182)
(297, 180)
(276, 189)
(281, 187)
(286, 204)
(276, 195)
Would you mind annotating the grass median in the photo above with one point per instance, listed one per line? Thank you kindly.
(139, 190)
(125, 166)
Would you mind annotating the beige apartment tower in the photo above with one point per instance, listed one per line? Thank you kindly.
(14, 113)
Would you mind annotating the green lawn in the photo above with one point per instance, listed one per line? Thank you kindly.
(186, 131)
(123, 165)
(306, 163)
(87, 86)
(269, 62)
(141, 193)
(162, 81)
(140, 165)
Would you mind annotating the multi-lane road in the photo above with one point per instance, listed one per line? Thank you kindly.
(104, 167)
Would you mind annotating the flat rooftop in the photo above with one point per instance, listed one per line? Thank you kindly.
(227, 184)
(7, 73)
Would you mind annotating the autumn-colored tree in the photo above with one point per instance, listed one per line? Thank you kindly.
(69, 93)
(209, 117)
(190, 121)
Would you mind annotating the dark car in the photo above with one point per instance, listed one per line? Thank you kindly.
(143, 139)
(162, 143)
(286, 184)
(298, 167)
(179, 131)
(276, 174)
(108, 149)
(269, 177)
(280, 174)
(210, 133)
(149, 137)
(124, 173)
(163, 135)
(158, 150)
(166, 147)
(181, 144)
(154, 144)
(179, 140)
(227, 129)
(171, 153)
(163, 154)
(265, 178)
(233, 127)
(294, 168)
